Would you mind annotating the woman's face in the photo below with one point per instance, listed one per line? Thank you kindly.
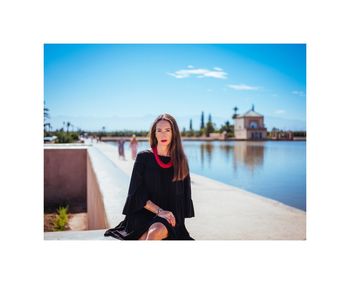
(163, 133)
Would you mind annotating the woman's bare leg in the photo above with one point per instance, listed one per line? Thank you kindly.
(157, 231)
(144, 236)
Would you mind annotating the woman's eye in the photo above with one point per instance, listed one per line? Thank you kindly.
(166, 130)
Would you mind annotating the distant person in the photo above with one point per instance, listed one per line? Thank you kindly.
(159, 197)
(121, 148)
(133, 146)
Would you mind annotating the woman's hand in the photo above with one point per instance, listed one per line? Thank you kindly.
(169, 216)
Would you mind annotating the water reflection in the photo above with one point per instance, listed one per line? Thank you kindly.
(206, 150)
(226, 149)
(250, 154)
(273, 169)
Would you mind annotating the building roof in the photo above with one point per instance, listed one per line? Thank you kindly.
(250, 113)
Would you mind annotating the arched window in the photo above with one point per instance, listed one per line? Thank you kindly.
(253, 124)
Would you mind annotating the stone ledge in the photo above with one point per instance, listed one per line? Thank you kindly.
(77, 235)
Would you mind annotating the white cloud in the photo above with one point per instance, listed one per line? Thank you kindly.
(280, 111)
(243, 87)
(299, 93)
(190, 66)
(199, 73)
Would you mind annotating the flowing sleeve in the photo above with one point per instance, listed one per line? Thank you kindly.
(189, 210)
(137, 194)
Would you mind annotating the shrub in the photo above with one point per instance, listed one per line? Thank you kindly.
(61, 221)
(64, 137)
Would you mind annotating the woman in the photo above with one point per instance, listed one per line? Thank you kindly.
(133, 146)
(121, 148)
(159, 197)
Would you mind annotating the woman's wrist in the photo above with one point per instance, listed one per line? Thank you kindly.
(158, 210)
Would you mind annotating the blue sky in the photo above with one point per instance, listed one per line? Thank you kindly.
(125, 86)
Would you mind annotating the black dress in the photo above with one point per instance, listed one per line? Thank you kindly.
(149, 181)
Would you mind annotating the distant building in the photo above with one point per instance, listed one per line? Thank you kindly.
(50, 139)
(282, 135)
(250, 126)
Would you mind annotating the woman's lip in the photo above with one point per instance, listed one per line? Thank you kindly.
(163, 140)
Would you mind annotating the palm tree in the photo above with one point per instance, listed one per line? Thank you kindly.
(235, 114)
(46, 116)
(226, 127)
(46, 112)
(68, 125)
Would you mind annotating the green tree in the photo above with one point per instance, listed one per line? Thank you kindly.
(190, 133)
(183, 133)
(202, 120)
(226, 127)
(210, 127)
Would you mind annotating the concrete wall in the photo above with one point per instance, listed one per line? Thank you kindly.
(241, 134)
(239, 123)
(96, 211)
(65, 179)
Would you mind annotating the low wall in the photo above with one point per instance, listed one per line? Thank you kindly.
(96, 210)
(113, 186)
(70, 179)
(65, 179)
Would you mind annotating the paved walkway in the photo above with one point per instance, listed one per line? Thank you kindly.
(224, 212)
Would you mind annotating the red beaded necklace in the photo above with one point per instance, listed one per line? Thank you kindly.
(159, 162)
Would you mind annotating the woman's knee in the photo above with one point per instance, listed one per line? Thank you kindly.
(157, 231)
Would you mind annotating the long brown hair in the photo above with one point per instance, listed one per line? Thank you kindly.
(177, 153)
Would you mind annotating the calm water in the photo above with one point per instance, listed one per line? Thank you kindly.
(275, 169)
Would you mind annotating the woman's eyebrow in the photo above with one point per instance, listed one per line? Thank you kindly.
(163, 128)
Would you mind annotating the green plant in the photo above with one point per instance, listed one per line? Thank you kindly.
(61, 221)
(63, 137)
